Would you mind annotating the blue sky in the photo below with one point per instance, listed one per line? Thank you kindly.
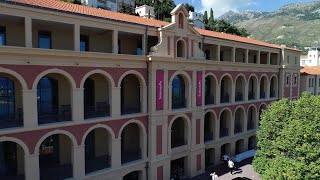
(222, 6)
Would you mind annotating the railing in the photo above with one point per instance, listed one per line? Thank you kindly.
(97, 163)
(272, 94)
(130, 155)
(13, 120)
(55, 115)
(178, 104)
(177, 142)
(56, 171)
(251, 96)
(209, 100)
(239, 96)
(262, 95)
(102, 109)
(224, 98)
(223, 132)
(208, 136)
(237, 129)
(131, 110)
(250, 125)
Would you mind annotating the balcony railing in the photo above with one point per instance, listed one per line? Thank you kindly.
(251, 96)
(272, 94)
(223, 132)
(10, 121)
(237, 129)
(262, 95)
(101, 109)
(55, 115)
(224, 98)
(56, 171)
(131, 110)
(208, 136)
(130, 155)
(239, 96)
(250, 125)
(97, 163)
(177, 142)
(179, 104)
(209, 100)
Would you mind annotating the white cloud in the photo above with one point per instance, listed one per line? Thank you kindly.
(222, 6)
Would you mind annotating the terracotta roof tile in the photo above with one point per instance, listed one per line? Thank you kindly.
(101, 13)
(314, 70)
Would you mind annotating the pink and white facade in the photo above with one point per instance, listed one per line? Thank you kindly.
(91, 98)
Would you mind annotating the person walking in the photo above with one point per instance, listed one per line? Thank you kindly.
(231, 166)
(225, 159)
(214, 176)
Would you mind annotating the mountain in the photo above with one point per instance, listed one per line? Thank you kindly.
(294, 25)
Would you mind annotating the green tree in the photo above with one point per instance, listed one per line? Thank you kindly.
(205, 17)
(189, 7)
(289, 140)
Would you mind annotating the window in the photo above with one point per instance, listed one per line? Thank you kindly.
(2, 36)
(44, 39)
(288, 58)
(178, 93)
(84, 43)
(310, 61)
(181, 49)
(7, 99)
(47, 96)
(295, 60)
(180, 25)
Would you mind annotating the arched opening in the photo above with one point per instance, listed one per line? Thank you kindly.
(252, 94)
(96, 97)
(130, 95)
(252, 116)
(97, 150)
(179, 133)
(252, 143)
(135, 175)
(131, 143)
(11, 161)
(181, 49)
(210, 90)
(11, 113)
(240, 88)
(209, 126)
(179, 168)
(178, 93)
(226, 149)
(239, 147)
(273, 87)
(263, 87)
(54, 99)
(263, 107)
(225, 123)
(239, 120)
(209, 157)
(180, 23)
(226, 89)
(55, 155)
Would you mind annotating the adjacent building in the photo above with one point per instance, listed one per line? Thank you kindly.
(310, 80)
(312, 59)
(88, 93)
(196, 19)
(112, 5)
(145, 11)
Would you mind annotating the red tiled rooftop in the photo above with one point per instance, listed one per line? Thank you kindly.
(101, 13)
(314, 70)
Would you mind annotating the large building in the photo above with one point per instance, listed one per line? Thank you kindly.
(112, 5)
(310, 80)
(88, 93)
(312, 59)
(196, 19)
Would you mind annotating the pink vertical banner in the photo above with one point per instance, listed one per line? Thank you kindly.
(159, 89)
(199, 88)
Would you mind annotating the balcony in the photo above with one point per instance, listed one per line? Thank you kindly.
(98, 163)
(208, 136)
(250, 125)
(177, 142)
(101, 109)
(272, 94)
(55, 115)
(130, 155)
(11, 121)
(131, 110)
(239, 96)
(223, 132)
(237, 129)
(262, 95)
(209, 100)
(179, 104)
(225, 98)
(251, 96)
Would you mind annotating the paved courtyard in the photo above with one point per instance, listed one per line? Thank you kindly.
(245, 171)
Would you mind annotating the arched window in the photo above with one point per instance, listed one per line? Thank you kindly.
(181, 49)
(47, 96)
(178, 93)
(180, 21)
(7, 99)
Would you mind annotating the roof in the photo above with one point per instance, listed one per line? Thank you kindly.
(116, 16)
(312, 70)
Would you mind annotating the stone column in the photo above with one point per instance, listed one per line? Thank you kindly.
(30, 112)
(28, 32)
(77, 104)
(246, 92)
(32, 171)
(78, 162)
(269, 58)
(115, 47)
(233, 54)
(76, 37)
(258, 57)
(116, 102)
(218, 52)
(247, 56)
(116, 153)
